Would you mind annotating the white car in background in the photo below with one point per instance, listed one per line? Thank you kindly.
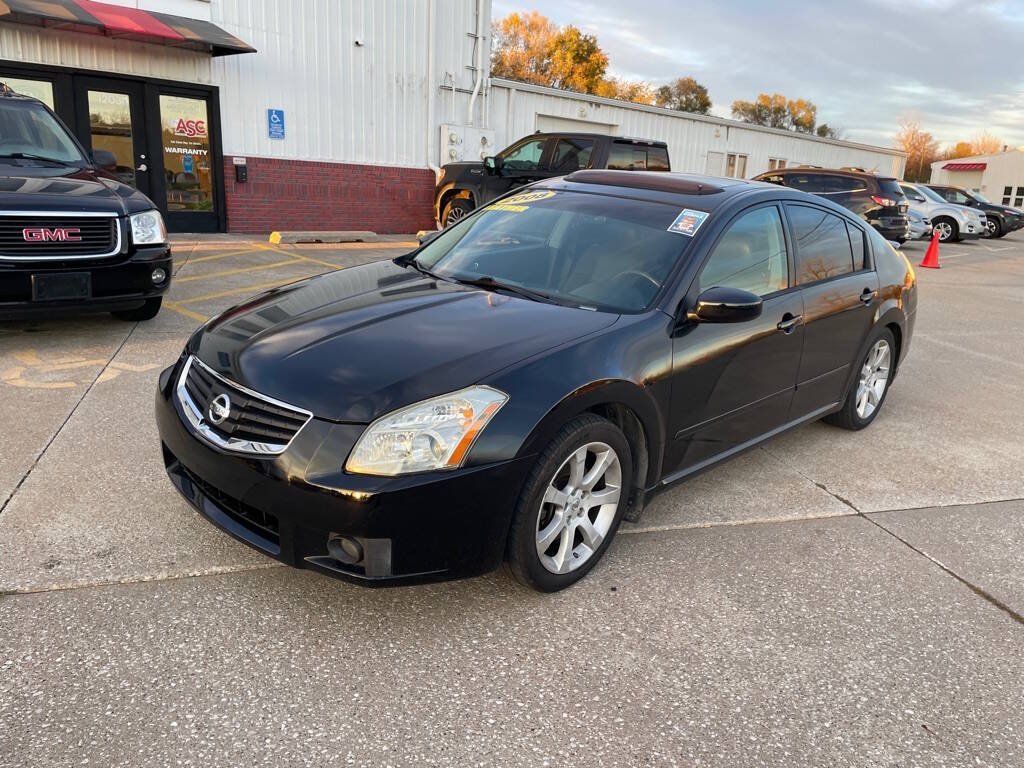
(952, 222)
(918, 227)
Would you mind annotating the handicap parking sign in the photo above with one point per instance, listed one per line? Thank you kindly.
(275, 123)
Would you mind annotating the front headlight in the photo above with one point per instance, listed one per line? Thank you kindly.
(148, 228)
(434, 434)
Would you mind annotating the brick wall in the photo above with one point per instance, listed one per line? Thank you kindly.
(301, 195)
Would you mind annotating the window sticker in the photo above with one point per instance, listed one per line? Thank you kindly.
(688, 222)
(517, 203)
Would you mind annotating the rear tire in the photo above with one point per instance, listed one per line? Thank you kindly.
(571, 505)
(147, 311)
(866, 396)
(457, 209)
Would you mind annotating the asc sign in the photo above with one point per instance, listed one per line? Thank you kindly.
(190, 127)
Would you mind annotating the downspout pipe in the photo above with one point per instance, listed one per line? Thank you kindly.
(432, 129)
(479, 48)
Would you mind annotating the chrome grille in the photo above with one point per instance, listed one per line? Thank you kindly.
(250, 422)
(48, 236)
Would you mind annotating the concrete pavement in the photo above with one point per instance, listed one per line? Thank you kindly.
(879, 626)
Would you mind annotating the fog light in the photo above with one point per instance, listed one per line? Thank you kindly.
(159, 275)
(345, 549)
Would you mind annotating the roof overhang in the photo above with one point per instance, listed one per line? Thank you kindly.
(116, 21)
(965, 166)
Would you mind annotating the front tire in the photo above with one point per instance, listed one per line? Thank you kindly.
(457, 209)
(947, 228)
(147, 311)
(868, 392)
(993, 227)
(571, 505)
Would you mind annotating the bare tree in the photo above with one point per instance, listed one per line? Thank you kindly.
(921, 147)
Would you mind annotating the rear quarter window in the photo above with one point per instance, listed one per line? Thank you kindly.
(637, 157)
(890, 188)
(823, 244)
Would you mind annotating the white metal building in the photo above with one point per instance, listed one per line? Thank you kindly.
(999, 177)
(252, 115)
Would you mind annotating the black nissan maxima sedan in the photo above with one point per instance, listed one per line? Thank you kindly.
(519, 384)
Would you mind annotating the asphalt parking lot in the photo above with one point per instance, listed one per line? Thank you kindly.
(830, 598)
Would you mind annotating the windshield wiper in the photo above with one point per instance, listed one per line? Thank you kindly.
(30, 156)
(489, 282)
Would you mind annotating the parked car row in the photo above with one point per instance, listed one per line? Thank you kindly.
(999, 219)
(951, 221)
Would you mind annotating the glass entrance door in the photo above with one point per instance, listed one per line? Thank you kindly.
(112, 117)
(189, 170)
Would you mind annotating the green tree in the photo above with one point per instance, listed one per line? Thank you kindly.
(684, 94)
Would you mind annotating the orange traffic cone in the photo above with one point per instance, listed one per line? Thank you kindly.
(931, 256)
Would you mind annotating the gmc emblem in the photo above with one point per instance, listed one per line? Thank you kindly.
(43, 234)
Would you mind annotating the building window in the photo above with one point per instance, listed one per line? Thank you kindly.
(37, 89)
(1007, 194)
(736, 166)
(774, 163)
(1019, 199)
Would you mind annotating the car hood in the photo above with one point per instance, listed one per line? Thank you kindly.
(355, 344)
(460, 170)
(46, 188)
(1003, 209)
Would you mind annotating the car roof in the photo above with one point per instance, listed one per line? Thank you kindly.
(586, 135)
(858, 172)
(681, 189)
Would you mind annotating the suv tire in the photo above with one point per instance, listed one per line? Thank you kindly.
(948, 227)
(993, 227)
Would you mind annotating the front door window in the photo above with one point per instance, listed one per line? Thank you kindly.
(185, 133)
(110, 128)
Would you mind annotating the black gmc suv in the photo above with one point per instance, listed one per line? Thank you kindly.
(999, 219)
(71, 235)
(461, 187)
(879, 200)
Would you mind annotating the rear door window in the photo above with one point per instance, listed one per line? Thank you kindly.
(812, 183)
(890, 188)
(571, 155)
(823, 247)
(636, 157)
(857, 242)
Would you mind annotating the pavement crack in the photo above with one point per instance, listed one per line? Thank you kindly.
(64, 423)
(970, 585)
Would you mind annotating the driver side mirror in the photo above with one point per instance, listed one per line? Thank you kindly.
(104, 159)
(492, 164)
(725, 305)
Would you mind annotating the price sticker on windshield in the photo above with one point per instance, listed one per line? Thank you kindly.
(688, 222)
(517, 203)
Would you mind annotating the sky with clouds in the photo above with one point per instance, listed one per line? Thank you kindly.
(955, 66)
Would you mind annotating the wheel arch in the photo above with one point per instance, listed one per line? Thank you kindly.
(455, 192)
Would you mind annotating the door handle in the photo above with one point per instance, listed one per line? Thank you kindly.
(868, 295)
(789, 322)
(142, 167)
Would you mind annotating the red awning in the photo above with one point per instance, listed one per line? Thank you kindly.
(92, 17)
(965, 166)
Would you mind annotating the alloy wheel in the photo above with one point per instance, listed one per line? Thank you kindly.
(578, 507)
(990, 227)
(945, 230)
(454, 215)
(874, 375)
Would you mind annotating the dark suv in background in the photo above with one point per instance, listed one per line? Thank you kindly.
(462, 187)
(878, 200)
(999, 219)
(72, 236)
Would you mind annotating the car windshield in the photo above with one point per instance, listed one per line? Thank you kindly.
(931, 194)
(981, 197)
(30, 134)
(582, 249)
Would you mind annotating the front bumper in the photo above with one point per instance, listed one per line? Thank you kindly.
(414, 528)
(121, 282)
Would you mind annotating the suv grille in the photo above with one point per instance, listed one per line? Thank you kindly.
(49, 236)
(233, 417)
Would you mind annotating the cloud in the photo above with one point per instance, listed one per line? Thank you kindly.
(953, 63)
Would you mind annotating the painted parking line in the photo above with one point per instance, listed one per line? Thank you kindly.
(301, 256)
(176, 307)
(236, 291)
(60, 373)
(239, 271)
(216, 256)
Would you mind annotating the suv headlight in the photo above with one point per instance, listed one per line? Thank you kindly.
(148, 228)
(434, 434)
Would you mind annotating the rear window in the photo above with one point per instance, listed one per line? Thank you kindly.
(637, 157)
(608, 253)
(890, 188)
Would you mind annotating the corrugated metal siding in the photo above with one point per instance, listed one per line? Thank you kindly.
(342, 102)
(33, 45)
(689, 140)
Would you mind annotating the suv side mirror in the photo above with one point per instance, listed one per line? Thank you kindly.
(725, 305)
(492, 163)
(104, 159)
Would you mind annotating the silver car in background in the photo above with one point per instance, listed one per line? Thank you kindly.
(952, 222)
(918, 227)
